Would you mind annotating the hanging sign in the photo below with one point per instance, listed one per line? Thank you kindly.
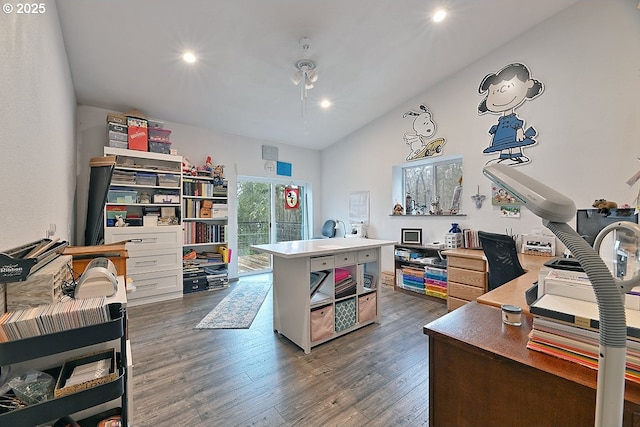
(291, 199)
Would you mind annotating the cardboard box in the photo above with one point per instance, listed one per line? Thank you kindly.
(138, 134)
(117, 118)
(205, 212)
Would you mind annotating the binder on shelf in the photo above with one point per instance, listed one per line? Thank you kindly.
(226, 253)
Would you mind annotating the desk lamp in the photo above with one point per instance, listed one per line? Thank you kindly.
(555, 210)
(344, 227)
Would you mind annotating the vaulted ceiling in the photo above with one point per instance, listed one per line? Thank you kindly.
(372, 55)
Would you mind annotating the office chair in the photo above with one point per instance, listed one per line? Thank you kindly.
(328, 229)
(502, 258)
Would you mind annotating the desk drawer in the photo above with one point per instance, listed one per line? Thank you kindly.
(322, 263)
(154, 260)
(155, 283)
(367, 256)
(467, 263)
(344, 259)
(467, 277)
(465, 292)
(453, 303)
(145, 237)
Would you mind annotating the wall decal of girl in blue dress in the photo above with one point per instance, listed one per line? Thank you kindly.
(505, 91)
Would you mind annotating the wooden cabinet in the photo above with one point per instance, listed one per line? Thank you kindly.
(482, 374)
(466, 276)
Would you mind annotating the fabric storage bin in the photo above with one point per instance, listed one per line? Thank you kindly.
(168, 180)
(321, 322)
(367, 307)
(345, 314)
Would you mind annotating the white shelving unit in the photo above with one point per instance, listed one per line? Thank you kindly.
(155, 251)
(205, 218)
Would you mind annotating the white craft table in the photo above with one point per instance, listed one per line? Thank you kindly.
(293, 306)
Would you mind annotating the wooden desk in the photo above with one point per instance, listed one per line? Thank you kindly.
(482, 374)
(513, 292)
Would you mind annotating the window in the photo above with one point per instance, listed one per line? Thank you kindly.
(426, 181)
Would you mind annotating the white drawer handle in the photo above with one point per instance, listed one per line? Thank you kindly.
(143, 241)
(148, 285)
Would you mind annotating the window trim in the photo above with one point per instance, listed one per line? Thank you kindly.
(397, 176)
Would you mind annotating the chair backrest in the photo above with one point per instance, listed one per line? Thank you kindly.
(329, 228)
(502, 257)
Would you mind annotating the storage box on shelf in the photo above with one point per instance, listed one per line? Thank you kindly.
(44, 286)
(154, 249)
(420, 271)
(142, 184)
(205, 234)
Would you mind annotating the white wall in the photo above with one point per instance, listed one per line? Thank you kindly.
(240, 155)
(37, 142)
(587, 121)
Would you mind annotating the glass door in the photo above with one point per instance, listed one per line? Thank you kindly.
(269, 211)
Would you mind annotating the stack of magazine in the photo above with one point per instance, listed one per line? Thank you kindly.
(47, 319)
(566, 322)
(345, 283)
(316, 280)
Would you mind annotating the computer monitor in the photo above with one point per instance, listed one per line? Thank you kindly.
(589, 222)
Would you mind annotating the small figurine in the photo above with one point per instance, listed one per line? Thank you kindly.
(187, 167)
(398, 209)
(206, 169)
(218, 175)
(120, 221)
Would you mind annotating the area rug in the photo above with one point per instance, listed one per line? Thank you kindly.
(238, 309)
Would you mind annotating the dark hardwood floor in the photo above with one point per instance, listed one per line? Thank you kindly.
(375, 376)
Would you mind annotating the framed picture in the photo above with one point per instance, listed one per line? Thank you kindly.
(411, 236)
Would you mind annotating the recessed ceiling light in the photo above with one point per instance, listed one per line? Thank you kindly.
(439, 15)
(189, 57)
(325, 103)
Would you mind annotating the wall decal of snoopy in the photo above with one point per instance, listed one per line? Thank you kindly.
(505, 91)
(420, 142)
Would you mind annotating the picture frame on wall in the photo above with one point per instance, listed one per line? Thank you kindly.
(411, 236)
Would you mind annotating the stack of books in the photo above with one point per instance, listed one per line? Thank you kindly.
(568, 328)
(578, 345)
